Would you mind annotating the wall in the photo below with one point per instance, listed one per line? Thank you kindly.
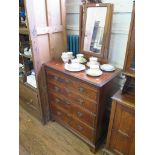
(120, 27)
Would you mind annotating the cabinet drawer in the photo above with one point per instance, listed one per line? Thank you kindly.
(61, 114)
(76, 85)
(84, 116)
(119, 143)
(84, 103)
(82, 129)
(28, 96)
(124, 120)
(55, 99)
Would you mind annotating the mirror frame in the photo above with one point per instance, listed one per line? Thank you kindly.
(103, 56)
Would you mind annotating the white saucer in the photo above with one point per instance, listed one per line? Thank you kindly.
(88, 63)
(107, 67)
(97, 73)
(69, 68)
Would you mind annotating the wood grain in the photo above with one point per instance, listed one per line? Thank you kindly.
(51, 139)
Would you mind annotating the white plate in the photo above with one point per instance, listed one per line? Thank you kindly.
(97, 73)
(88, 63)
(69, 68)
(107, 67)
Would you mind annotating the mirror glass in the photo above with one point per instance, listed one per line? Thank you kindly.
(94, 30)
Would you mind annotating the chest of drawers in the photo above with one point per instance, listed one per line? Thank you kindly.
(79, 102)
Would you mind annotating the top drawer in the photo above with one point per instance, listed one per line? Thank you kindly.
(76, 85)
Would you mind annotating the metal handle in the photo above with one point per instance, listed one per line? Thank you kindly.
(30, 102)
(57, 100)
(81, 89)
(67, 91)
(56, 88)
(66, 102)
(81, 101)
(59, 113)
(55, 78)
(79, 114)
(118, 152)
(67, 81)
(123, 133)
(80, 127)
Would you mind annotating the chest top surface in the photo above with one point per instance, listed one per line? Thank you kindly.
(96, 81)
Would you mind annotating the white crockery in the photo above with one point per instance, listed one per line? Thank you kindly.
(75, 64)
(93, 59)
(70, 68)
(70, 55)
(65, 58)
(107, 67)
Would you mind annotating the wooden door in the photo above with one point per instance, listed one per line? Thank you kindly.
(47, 24)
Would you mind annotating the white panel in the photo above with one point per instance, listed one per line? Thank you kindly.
(72, 19)
(117, 50)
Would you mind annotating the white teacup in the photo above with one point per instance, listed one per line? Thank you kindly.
(93, 60)
(80, 57)
(70, 55)
(75, 64)
(94, 68)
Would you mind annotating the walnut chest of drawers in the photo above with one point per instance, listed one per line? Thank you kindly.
(80, 102)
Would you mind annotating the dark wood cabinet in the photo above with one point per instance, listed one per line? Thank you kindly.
(80, 102)
(120, 139)
(121, 132)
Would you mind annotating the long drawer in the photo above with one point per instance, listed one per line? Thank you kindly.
(71, 121)
(76, 85)
(28, 96)
(72, 96)
(79, 112)
(83, 115)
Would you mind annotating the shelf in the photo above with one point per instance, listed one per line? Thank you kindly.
(28, 85)
(23, 30)
(26, 56)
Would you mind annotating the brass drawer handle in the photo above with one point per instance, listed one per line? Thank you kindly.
(67, 81)
(81, 101)
(68, 91)
(30, 102)
(79, 127)
(59, 113)
(66, 102)
(123, 133)
(57, 100)
(56, 89)
(79, 114)
(81, 90)
(55, 78)
(118, 152)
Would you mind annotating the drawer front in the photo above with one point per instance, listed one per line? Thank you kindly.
(124, 120)
(119, 144)
(76, 86)
(83, 130)
(84, 103)
(28, 96)
(83, 115)
(61, 114)
(57, 100)
(56, 88)
(72, 96)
